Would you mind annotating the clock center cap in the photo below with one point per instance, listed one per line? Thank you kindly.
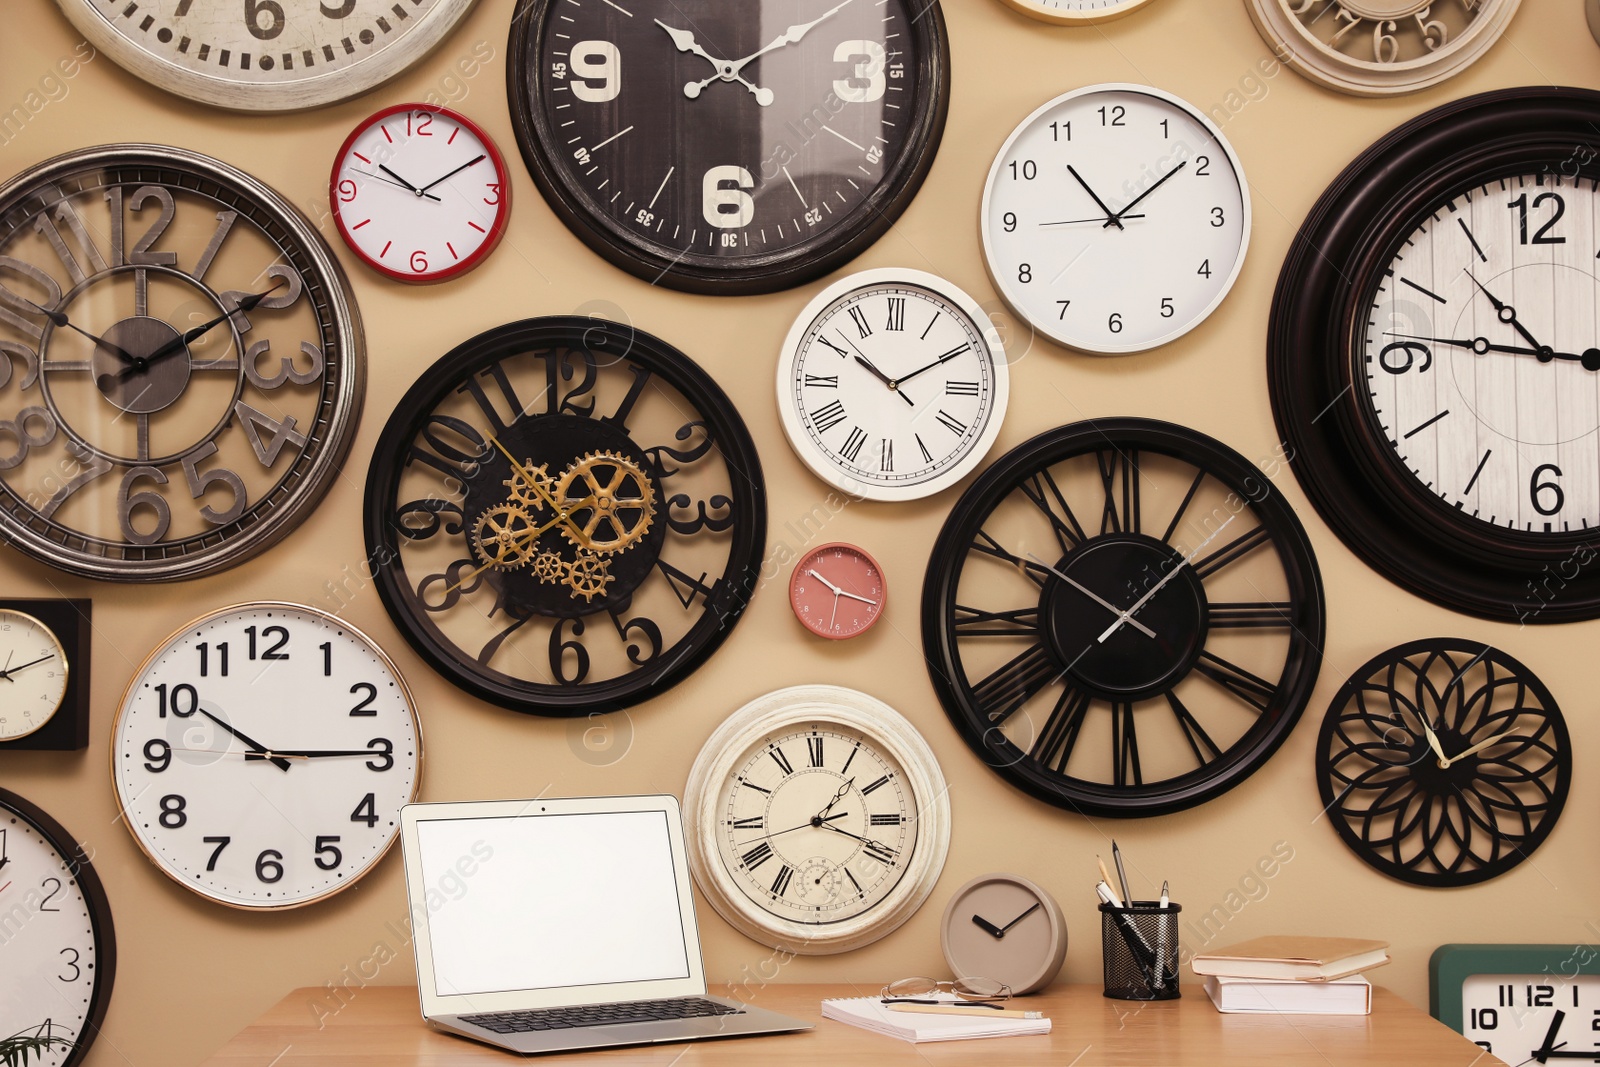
(140, 387)
(1129, 665)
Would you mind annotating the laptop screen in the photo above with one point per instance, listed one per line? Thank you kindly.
(551, 901)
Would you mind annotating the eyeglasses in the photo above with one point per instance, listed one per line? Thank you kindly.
(918, 990)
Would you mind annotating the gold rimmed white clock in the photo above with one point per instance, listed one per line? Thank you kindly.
(1076, 12)
(33, 674)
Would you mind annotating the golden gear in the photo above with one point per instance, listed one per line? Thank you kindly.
(588, 576)
(505, 535)
(525, 494)
(607, 512)
(549, 568)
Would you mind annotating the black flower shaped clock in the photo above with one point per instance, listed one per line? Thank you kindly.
(1444, 762)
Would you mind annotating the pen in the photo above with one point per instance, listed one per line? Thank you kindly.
(1122, 874)
(1105, 880)
(1161, 940)
(958, 1009)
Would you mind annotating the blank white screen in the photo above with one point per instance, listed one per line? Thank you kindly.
(563, 900)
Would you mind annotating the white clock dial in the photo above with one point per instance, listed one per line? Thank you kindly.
(1115, 219)
(420, 193)
(1519, 1016)
(57, 949)
(1077, 12)
(33, 674)
(892, 384)
(262, 755)
(1481, 355)
(266, 55)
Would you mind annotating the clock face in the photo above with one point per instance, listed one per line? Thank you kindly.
(1481, 357)
(420, 193)
(262, 754)
(181, 367)
(823, 821)
(1005, 928)
(572, 516)
(1077, 12)
(721, 148)
(837, 591)
(57, 966)
(892, 385)
(1115, 218)
(1444, 763)
(1522, 1017)
(1123, 618)
(36, 668)
(266, 55)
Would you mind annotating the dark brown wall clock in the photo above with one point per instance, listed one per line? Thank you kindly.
(1443, 762)
(1434, 357)
(568, 516)
(1123, 617)
(729, 148)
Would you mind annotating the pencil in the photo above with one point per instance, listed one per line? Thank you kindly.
(971, 1011)
(1105, 876)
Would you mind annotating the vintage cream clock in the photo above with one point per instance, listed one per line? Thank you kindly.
(819, 819)
(1076, 12)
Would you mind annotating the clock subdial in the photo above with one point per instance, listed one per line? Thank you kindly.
(1480, 359)
(1115, 218)
(817, 825)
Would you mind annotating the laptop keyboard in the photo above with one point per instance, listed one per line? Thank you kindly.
(638, 1011)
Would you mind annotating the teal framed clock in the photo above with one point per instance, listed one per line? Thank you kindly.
(1520, 1002)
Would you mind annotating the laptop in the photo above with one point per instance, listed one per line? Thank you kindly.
(554, 925)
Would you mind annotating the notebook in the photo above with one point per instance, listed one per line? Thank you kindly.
(1251, 996)
(551, 925)
(869, 1014)
(1305, 959)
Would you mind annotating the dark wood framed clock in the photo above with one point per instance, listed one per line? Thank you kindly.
(729, 148)
(1444, 762)
(566, 516)
(1434, 360)
(1123, 617)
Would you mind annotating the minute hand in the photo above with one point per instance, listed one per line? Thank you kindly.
(791, 36)
(1117, 218)
(1480, 345)
(1127, 616)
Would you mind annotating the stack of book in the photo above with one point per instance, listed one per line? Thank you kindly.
(1293, 975)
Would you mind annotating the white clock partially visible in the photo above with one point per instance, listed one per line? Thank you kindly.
(1076, 12)
(1115, 218)
(266, 55)
(1522, 1017)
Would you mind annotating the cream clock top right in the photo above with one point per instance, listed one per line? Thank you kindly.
(1381, 47)
(1076, 12)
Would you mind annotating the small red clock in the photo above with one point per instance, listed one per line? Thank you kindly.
(838, 591)
(420, 193)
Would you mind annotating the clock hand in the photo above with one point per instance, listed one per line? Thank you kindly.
(389, 181)
(791, 36)
(1092, 595)
(1036, 906)
(322, 753)
(834, 614)
(9, 671)
(1111, 219)
(470, 163)
(1548, 1044)
(1480, 345)
(863, 599)
(814, 821)
(562, 514)
(830, 585)
(1507, 314)
(1074, 222)
(893, 385)
(685, 42)
(1433, 742)
(1475, 749)
(399, 179)
(1127, 616)
(858, 837)
(59, 318)
(1117, 218)
(260, 749)
(988, 927)
(183, 340)
(946, 358)
(843, 789)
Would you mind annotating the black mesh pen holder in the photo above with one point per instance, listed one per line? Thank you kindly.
(1139, 947)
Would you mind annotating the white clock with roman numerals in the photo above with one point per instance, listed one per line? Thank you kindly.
(262, 754)
(820, 819)
(892, 384)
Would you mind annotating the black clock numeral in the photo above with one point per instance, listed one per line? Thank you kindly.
(68, 215)
(54, 885)
(327, 653)
(158, 755)
(473, 387)
(1547, 497)
(328, 857)
(842, 353)
(173, 816)
(822, 381)
(852, 444)
(757, 788)
(859, 891)
(781, 760)
(1045, 494)
(77, 971)
(1542, 235)
(1117, 116)
(269, 866)
(927, 457)
(1002, 693)
(216, 853)
(364, 706)
(1205, 269)
(1232, 552)
(875, 786)
(988, 546)
(756, 856)
(859, 317)
(1205, 750)
(438, 445)
(849, 759)
(619, 417)
(897, 314)
(951, 423)
(1119, 466)
(561, 651)
(1059, 737)
(1255, 691)
(1125, 747)
(686, 588)
(277, 634)
(814, 751)
(881, 852)
(382, 750)
(886, 456)
(1484, 1019)
(780, 884)
(366, 811)
(961, 388)
(184, 702)
(887, 820)
(828, 416)
(755, 822)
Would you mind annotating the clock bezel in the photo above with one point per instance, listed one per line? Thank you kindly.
(742, 275)
(787, 710)
(1351, 475)
(94, 898)
(1036, 9)
(1451, 965)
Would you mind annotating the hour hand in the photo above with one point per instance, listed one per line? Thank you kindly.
(884, 378)
(987, 927)
(257, 748)
(685, 42)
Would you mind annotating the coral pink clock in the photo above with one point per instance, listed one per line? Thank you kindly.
(420, 193)
(837, 591)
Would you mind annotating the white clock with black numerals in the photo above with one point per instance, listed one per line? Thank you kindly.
(1115, 218)
(262, 754)
(892, 384)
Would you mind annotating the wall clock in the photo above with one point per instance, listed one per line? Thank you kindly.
(1433, 358)
(1591, 12)
(1005, 927)
(570, 516)
(729, 149)
(1521, 1002)
(59, 962)
(838, 591)
(181, 364)
(1076, 12)
(420, 193)
(1443, 762)
(892, 384)
(1115, 218)
(820, 819)
(262, 753)
(266, 55)
(1380, 47)
(44, 665)
(1123, 617)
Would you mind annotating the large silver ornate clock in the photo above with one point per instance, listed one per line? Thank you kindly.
(181, 364)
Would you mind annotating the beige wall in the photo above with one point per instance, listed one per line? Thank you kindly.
(192, 973)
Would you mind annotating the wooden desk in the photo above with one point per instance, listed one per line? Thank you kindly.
(380, 1027)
